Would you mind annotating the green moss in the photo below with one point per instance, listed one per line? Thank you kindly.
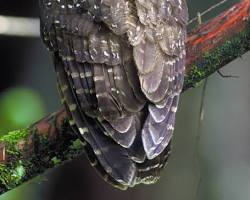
(56, 161)
(217, 58)
(11, 175)
(20, 167)
(13, 172)
(72, 151)
(14, 136)
(76, 145)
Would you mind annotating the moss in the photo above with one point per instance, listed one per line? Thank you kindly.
(26, 162)
(56, 161)
(12, 172)
(76, 145)
(11, 175)
(14, 137)
(217, 58)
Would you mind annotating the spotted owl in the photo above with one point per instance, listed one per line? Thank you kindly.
(120, 69)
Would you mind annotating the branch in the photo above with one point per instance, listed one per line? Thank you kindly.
(218, 42)
(50, 142)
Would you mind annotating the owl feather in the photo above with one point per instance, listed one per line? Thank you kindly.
(120, 69)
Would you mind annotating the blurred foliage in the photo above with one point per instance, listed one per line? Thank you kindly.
(19, 107)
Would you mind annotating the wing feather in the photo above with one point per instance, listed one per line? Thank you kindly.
(120, 68)
(164, 38)
(113, 157)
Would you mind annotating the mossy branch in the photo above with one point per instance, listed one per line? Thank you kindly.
(50, 142)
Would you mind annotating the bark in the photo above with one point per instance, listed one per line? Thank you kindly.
(50, 142)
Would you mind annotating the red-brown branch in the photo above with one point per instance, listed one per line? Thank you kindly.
(214, 33)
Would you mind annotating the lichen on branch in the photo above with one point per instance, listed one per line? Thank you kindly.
(29, 152)
(211, 61)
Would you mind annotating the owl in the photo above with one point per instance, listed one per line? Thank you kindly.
(120, 69)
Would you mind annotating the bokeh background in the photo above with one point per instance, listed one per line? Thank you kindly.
(211, 150)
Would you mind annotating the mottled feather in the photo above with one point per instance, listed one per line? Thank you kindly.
(120, 70)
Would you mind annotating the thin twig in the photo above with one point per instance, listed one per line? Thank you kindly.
(207, 11)
(226, 76)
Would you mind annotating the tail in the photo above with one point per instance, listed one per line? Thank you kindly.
(113, 161)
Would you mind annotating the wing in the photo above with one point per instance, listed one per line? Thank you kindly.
(160, 60)
(98, 84)
(156, 30)
(120, 68)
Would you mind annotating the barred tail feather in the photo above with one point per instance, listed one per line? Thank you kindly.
(114, 158)
(158, 127)
(149, 171)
